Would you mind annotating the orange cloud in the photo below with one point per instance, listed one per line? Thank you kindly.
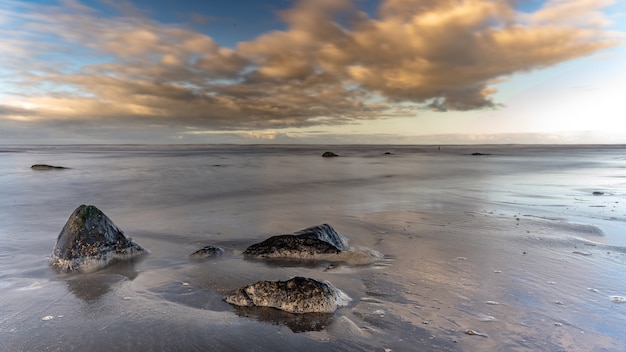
(332, 65)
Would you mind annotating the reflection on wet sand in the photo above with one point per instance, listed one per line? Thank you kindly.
(91, 287)
(295, 322)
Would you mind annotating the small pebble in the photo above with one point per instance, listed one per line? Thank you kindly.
(47, 317)
(493, 303)
(617, 299)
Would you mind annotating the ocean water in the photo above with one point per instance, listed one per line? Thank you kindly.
(443, 220)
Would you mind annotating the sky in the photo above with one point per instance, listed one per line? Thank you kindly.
(312, 71)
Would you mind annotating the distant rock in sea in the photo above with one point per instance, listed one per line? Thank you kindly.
(90, 241)
(598, 193)
(47, 167)
(206, 252)
(310, 243)
(296, 295)
(480, 153)
(329, 155)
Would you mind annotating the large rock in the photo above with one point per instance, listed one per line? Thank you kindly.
(90, 241)
(296, 295)
(329, 155)
(310, 243)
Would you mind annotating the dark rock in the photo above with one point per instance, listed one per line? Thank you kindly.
(90, 241)
(387, 153)
(480, 154)
(309, 243)
(325, 233)
(47, 167)
(290, 246)
(329, 155)
(296, 295)
(206, 252)
(598, 193)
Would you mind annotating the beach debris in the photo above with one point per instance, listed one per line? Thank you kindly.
(558, 324)
(47, 317)
(475, 333)
(485, 318)
(309, 243)
(586, 254)
(461, 258)
(47, 167)
(592, 289)
(492, 303)
(90, 241)
(379, 312)
(206, 252)
(497, 271)
(558, 303)
(618, 299)
(329, 155)
(296, 295)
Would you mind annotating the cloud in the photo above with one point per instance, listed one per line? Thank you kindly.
(333, 64)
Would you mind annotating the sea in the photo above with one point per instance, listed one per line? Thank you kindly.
(427, 214)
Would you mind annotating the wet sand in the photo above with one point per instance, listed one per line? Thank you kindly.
(452, 259)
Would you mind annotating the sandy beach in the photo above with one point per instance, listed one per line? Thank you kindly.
(508, 251)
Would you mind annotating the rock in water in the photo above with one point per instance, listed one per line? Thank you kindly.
(329, 155)
(90, 241)
(47, 167)
(296, 295)
(325, 233)
(309, 243)
(206, 252)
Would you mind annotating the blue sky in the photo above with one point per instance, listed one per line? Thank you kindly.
(312, 71)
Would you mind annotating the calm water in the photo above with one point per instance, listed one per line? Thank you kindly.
(175, 199)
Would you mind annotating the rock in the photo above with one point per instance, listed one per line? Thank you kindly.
(329, 155)
(309, 243)
(325, 233)
(598, 193)
(387, 153)
(47, 167)
(296, 295)
(90, 241)
(206, 252)
(480, 154)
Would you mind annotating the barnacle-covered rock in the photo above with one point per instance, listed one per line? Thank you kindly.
(90, 241)
(296, 295)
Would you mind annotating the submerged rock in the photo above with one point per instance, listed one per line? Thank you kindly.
(47, 167)
(206, 252)
(309, 243)
(296, 295)
(329, 155)
(90, 241)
